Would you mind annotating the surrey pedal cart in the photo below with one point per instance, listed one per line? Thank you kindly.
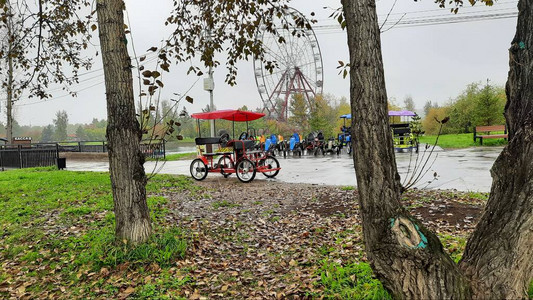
(242, 156)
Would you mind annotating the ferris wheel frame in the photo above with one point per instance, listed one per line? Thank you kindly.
(300, 68)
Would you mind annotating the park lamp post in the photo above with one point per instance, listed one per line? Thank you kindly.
(209, 85)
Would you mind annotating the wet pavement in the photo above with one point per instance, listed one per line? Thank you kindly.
(463, 169)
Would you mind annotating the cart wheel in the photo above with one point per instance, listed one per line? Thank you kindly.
(271, 163)
(245, 170)
(225, 162)
(198, 169)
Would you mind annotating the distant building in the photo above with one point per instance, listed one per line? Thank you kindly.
(73, 137)
(3, 140)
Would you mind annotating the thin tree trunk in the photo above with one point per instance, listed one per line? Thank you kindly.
(499, 254)
(9, 106)
(128, 178)
(408, 259)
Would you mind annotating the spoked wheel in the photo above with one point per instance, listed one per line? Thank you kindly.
(245, 170)
(198, 169)
(225, 162)
(271, 163)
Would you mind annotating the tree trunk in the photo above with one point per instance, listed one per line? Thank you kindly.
(499, 254)
(128, 179)
(9, 106)
(408, 259)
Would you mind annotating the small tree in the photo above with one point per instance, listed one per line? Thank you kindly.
(47, 134)
(429, 105)
(408, 103)
(61, 122)
(299, 113)
(81, 134)
(489, 107)
(321, 116)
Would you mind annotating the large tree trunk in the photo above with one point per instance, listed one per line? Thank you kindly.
(499, 254)
(128, 178)
(408, 259)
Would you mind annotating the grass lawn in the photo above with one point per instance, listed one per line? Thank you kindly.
(58, 241)
(211, 239)
(58, 238)
(463, 140)
(177, 156)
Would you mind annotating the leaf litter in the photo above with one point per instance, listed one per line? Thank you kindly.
(260, 240)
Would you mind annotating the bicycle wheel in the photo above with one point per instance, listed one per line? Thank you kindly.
(198, 169)
(245, 170)
(271, 163)
(225, 162)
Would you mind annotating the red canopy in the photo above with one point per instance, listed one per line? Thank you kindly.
(229, 114)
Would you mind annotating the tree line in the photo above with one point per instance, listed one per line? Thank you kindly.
(477, 105)
(60, 130)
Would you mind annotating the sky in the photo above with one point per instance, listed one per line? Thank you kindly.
(422, 59)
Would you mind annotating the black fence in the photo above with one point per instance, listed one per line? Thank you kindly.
(150, 148)
(47, 154)
(28, 156)
(85, 146)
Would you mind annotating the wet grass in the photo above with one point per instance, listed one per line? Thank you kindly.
(58, 235)
(351, 281)
(176, 156)
(463, 140)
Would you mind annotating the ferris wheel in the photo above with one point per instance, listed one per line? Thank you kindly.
(299, 71)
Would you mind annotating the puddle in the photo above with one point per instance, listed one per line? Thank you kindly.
(464, 169)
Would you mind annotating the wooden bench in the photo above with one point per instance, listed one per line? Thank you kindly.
(487, 132)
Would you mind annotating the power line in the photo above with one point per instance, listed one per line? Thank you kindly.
(59, 97)
(435, 20)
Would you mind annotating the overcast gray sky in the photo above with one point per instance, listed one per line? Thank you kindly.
(429, 62)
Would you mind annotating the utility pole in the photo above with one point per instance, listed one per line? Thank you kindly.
(211, 105)
(209, 85)
(9, 106)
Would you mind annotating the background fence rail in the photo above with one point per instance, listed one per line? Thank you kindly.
(47, 154)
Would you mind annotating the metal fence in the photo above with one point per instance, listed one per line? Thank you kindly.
(27, 156)
(47, 154)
